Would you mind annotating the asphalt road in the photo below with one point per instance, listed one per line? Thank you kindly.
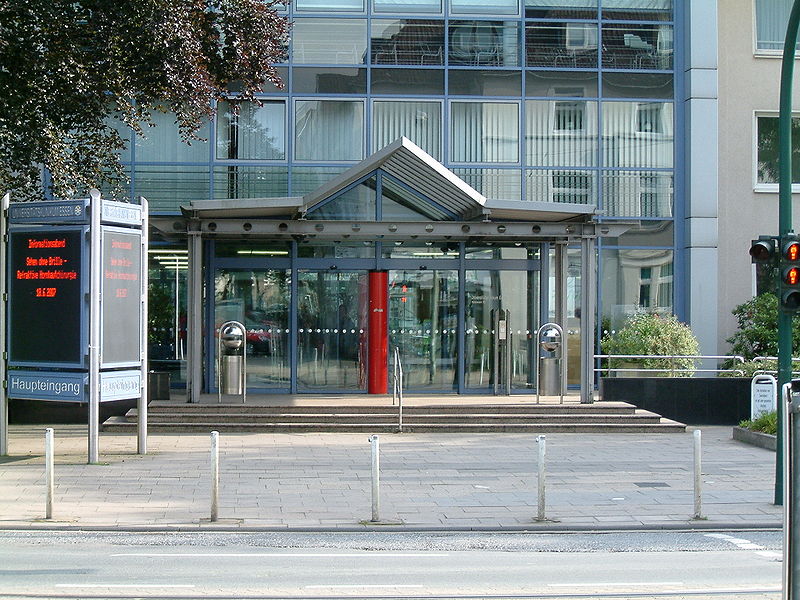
(702, 564)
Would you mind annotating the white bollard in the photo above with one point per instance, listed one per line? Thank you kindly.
(214, 475)
(542, 451)
(376, 479)
(698, 476)
(48, 472)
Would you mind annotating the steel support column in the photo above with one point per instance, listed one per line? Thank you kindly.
(588, 308)
(561, 303)
(194, 322)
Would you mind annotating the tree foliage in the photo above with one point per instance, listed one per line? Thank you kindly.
(72, 71)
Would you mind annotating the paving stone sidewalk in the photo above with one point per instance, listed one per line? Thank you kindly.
(428, 481)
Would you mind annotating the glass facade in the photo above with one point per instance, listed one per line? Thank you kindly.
(557, 101)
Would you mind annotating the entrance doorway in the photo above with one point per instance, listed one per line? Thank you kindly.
(311, 328)
(423, 326)
(332, 331)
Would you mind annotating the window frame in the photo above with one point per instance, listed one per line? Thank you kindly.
(451, 139)
(764, 52)
(766, 188)
(377, 99)
(253, 161)
(313, 161)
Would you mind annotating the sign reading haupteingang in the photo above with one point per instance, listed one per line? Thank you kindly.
(50, 318)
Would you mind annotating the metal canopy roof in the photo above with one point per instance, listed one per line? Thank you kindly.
(411, 164)
(408, 163)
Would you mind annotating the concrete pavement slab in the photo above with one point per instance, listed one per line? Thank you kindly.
(469, 481)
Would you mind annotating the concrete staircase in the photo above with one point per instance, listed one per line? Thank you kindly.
(611, 417)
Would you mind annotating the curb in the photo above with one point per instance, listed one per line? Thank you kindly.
(548, 528)
(755, 438)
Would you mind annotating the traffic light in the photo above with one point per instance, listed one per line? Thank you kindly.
(764, 249)
(790, 273)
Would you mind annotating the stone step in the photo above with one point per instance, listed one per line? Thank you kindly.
(465, 417)
(664, 426)
(243, 409)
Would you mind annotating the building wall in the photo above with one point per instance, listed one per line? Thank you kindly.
(526, 100)
(749, 82)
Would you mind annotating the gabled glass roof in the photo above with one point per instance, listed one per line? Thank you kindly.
(360, 202)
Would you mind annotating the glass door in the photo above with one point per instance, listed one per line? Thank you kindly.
(486, 292)
(332, 330)
(423, 321)
(259, 299)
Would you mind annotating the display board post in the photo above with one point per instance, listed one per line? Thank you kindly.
(95, 250)
(142, 403)
(3, 397)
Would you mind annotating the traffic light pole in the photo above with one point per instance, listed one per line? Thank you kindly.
(791, 584)
(785, 223)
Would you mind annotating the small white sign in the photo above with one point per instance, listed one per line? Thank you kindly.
(120, 385)
(763, 395)
(121, 213)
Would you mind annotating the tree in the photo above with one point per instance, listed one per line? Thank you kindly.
(72, 71)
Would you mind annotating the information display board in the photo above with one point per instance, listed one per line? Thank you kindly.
(122, 296)
(47, 309)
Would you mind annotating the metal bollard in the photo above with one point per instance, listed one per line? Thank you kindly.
(698, 478)
(376, 479)
(48, 472)
(542, 451)
(214, 475)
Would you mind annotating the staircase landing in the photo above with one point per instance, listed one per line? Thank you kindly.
(376, 414)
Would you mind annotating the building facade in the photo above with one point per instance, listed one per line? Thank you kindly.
(606, 104)
(752, 36)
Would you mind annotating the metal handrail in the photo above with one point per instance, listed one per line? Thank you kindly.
(397, 388)
(765, 358)
(670, 357)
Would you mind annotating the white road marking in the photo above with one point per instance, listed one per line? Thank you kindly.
(359, 587)
(617, 584)
(284, 555)
(122, 585)
(738, 542)
(771, 554)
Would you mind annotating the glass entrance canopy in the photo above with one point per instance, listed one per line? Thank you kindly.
(300, 272)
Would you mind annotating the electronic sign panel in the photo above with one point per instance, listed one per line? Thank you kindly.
(122, 297)
(46, 303)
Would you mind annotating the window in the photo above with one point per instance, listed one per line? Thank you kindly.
(771, 19)
(312, 42)
(624, 141)
(484, 132)
(561, 133)
(163, 142)
(329, 5)
(247, 131)
(767, 150)
(420, 122)
(572, 186)
(329, 130)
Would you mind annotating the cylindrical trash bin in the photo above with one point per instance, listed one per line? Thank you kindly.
(231, 376)
(549, 377)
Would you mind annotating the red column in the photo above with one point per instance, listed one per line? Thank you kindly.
(378, 332)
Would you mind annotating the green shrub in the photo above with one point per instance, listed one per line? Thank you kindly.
(653, 334)
(766, 423)
(757, 329)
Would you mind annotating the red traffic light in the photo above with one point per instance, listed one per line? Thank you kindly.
(791, 251)
(791, 276)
